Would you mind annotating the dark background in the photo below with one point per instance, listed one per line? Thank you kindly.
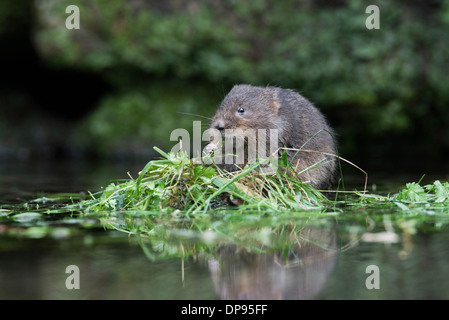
(121, 83)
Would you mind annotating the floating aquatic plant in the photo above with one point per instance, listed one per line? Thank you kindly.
(178, 182)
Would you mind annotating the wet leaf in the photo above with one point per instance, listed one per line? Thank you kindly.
(26, 217)
(413, 192)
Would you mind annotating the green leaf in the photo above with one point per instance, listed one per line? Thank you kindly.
(402, 206)
(26, 217)
(440, 190)
(284, 161)
(413, 193)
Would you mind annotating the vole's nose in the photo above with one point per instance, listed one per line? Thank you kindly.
(220, 124)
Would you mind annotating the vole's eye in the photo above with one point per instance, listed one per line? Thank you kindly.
(240, 110)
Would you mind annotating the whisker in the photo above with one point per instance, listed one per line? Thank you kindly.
(195, 115)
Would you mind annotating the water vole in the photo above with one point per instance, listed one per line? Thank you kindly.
(295, 122)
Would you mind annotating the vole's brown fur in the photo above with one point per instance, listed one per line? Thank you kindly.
(296, 119)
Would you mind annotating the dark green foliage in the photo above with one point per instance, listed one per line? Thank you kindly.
(392, 80)
(371, 83)
(129, 122)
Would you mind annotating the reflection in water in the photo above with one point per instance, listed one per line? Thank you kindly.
(250, 256)
(268, 258)
(300, 273)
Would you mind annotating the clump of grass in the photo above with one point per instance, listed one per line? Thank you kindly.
(177, 182)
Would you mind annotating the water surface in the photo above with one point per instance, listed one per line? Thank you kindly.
(300, 256)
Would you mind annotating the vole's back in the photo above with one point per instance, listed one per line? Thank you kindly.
(307, 129)
(299, 124)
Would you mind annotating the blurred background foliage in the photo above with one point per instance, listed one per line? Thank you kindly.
(135, 69)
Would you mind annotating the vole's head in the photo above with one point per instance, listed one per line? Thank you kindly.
(247, 107)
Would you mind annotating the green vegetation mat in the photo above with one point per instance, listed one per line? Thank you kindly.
(177, 198)
(178, 183)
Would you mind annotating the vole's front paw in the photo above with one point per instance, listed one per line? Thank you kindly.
(211, 147)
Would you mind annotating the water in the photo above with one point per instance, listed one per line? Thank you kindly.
(304, 256)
